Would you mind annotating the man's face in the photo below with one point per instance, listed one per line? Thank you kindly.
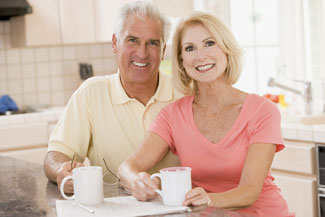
(139, 50)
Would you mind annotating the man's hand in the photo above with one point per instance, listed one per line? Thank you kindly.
(66, 170)
(143, 187)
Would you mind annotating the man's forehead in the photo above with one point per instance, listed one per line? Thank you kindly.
(142, 27)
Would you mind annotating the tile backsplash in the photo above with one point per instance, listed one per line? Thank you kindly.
(48, 75)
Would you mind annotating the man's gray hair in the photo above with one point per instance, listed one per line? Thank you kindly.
(142, 9)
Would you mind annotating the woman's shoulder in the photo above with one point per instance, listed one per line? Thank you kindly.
(179, 104)
(260, 105)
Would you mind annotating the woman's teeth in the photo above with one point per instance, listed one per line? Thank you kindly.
(140, 64)
(205, 67)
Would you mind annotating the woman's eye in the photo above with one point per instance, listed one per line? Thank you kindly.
(189, 48)
(210, 43)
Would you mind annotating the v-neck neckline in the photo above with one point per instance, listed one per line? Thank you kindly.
(203, 137)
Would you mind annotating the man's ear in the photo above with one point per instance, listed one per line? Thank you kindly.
(163, 52)
(114, 42)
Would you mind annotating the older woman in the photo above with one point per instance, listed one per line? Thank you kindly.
(228, 137)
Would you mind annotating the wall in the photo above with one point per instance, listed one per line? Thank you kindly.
(47, 75)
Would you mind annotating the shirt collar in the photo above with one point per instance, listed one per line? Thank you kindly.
(164, 91)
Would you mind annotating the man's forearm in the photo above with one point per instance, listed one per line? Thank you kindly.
(52, 164)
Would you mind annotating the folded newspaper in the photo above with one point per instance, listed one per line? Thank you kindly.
(116, 207)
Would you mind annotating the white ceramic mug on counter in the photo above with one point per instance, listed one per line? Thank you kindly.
(87, 185)
(175, 183)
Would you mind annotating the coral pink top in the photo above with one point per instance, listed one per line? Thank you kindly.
(217, 166)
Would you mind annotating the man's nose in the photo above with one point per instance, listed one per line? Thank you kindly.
(142, 51)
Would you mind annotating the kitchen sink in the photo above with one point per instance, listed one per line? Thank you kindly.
(313, 119)
(304, 119)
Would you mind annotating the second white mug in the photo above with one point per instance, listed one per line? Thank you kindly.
(175, 183)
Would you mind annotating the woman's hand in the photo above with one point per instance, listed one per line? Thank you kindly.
(143, 187)
(197, 196)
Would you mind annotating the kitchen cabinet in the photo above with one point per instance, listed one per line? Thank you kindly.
(294, 169)
(33, 155)
(42, 27)
(77, 21)
(26, 141)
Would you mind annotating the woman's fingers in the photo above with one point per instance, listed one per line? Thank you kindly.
(197, 196)
(143, 187)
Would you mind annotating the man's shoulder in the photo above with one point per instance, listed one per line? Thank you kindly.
(97, 82)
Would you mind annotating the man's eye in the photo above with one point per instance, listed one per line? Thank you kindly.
(210, 43)
(154, 43)
(132, 40)
(189, 48)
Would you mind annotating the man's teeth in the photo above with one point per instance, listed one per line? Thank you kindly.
(201, 68)
(140, 64)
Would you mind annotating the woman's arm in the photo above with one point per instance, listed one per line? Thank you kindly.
(151, 151)
(257, 164)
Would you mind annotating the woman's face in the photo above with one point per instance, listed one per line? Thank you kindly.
(203, 60)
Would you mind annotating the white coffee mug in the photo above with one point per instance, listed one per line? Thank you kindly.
(87, 185)
(175, 183)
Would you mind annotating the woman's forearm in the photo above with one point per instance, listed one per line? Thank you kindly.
(127, 173)
(237, 198)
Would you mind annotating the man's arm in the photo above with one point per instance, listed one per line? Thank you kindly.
(57, 166)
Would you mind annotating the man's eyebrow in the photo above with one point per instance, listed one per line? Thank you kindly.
(130, 36)
(154, 40)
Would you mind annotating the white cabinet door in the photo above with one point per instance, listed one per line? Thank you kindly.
(23, 136)
(300, 193)
(40, 28)
(35, 155)
(77, 21)
(106, 15)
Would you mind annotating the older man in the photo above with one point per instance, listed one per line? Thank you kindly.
(108, 116)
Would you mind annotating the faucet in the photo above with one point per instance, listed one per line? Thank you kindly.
(306, 93)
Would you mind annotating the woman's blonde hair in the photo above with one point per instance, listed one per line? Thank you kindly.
(225, 40)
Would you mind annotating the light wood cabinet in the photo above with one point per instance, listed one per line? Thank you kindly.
(294, 170)
(77, 21)
(33, 155)
(42, 27)
(27, 142)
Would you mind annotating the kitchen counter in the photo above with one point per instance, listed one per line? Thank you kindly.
(26, 192)
(302, 132)
(45, 115)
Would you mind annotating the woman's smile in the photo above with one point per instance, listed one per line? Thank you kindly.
(204, 68)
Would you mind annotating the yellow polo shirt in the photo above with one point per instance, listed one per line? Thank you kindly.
(101, 121)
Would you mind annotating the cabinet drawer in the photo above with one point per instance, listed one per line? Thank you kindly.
(299, 192)
(22, 136)
(296, 157)
(34, 155)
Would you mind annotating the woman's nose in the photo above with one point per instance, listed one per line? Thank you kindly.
(200, 54)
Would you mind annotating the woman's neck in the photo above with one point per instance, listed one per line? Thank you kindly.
(217, 95)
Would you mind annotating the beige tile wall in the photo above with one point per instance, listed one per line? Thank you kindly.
(47, 75)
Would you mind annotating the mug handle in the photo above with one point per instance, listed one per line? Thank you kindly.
(159, 176)
(62, 188)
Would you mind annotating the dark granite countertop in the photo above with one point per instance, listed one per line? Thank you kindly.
(26, 192)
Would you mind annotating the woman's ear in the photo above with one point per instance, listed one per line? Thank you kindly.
(114, 43)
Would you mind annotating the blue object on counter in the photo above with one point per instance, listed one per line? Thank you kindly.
(7, 104)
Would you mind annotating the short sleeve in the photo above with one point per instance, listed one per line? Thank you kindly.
(265, 126)
(161, 126)
(72, 133)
